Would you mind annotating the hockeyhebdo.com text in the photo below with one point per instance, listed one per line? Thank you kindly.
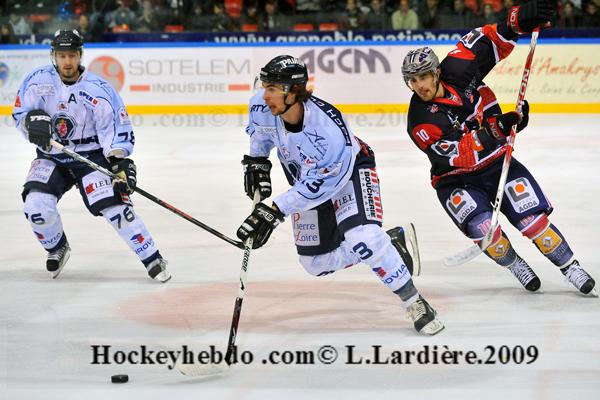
(357, 122)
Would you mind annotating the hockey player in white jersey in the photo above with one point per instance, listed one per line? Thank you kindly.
(334, 201)
(80, 110)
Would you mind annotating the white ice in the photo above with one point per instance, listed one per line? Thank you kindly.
(103, 296)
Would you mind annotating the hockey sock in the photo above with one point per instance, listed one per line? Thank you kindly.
(132, 230)
(40, 210)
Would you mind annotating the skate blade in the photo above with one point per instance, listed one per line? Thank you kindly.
(433, 327)
(54, 274)
(411, 234)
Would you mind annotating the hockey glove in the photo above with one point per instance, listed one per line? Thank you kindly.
(260, 224)
(126, 173)
(499, 126)
(39, 128)
(524, 116)
(524, 18)
(257, 176)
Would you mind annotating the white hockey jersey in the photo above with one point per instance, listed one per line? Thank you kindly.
(319, 159)
(87, 115)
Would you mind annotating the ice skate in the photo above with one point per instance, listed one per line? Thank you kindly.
(424, 317)
(400, 236)
(157, 270)
(579, 278)
(523, 272)
(57, 259)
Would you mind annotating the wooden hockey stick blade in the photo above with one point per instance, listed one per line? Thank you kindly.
(463, 257)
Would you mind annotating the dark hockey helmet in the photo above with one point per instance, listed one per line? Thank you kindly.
(285, 70)
(418, 62)
(67, 40)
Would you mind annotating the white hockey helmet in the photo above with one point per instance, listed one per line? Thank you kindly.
(418, 62)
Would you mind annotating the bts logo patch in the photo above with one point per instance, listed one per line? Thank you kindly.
(369, 184)
(460, 204)
(521, 195)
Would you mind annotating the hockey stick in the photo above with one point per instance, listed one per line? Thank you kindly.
(475, 250)
(147, 195)
(225, 364)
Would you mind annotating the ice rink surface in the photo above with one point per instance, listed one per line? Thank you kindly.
(103, 297)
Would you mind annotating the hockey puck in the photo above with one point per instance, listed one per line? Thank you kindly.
(119, 378)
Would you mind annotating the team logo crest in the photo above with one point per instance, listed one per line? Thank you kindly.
(433, 108)
(64, 125)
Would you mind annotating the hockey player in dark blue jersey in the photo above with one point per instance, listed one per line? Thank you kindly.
(456, 120)
(334, 201)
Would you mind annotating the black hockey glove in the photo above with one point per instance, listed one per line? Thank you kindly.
(524, 18)
(499, 126)
(260, 224)
(257, 176)
(39, 128)
(126, 173)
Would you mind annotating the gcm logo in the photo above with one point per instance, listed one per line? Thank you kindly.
(109, 69)
(348, 60)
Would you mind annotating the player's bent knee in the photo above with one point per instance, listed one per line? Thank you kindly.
(40, 208)
(369, 242)
(534, 225)
(317, 265)
(479, 225)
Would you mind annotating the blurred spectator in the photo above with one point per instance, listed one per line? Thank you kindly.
(271, 20)
(591, 18)
(487, 16)
(19, 24)
(121, 19)
(7, 36)
(220, 20)
(147, 21)
(250, 15)
(199, 22)
(429, 14)
(352, 17)
(568, 17)
(83, 27)
(404, 17)
(377, 19)
(460, 17)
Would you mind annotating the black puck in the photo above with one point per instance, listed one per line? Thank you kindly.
(119, 378)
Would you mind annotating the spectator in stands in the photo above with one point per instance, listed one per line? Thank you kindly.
(250, 15)
(199, 22)
(83, 27)
(429, 14)
(404, 17)
(568, 16)
(352, 17)
(121, 19)
(460, 17)
(271, 20)
(220, 21)
(19, 24)
(377, 19)
(502, 15)
(147, 21)
(591, 18)
(7, 36)
(487, 16)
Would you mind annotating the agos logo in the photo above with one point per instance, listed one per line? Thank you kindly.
(110, 69)
(351, 61)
